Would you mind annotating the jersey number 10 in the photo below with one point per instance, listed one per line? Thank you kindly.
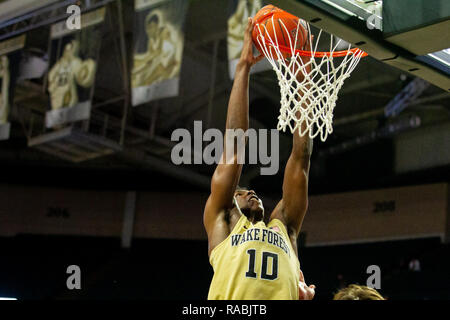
(265, 259)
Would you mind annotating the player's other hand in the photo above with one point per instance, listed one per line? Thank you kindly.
(247, 57)
(305, 292)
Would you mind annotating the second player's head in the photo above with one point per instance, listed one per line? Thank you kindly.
(357, 292)
(249, 203)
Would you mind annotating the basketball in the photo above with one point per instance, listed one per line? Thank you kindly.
(281, 27)
(265, 11)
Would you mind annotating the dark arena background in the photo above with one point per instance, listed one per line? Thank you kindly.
(87, 170)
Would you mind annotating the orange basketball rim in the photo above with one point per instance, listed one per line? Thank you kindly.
(284, 22)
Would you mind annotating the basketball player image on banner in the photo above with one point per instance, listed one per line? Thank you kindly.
(235, 37)
(159, 45)
(73, 67)
(10, 55)
(253, 260)
(66, 74)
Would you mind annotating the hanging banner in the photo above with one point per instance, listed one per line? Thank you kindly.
(10, 55)
(158, 49)
(242, 10)
(73, 64)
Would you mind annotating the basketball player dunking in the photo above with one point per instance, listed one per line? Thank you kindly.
(252, 261)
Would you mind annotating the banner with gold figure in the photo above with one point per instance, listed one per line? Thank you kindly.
(158, 49)
(10, 56)
(73, 65)
(237, 22)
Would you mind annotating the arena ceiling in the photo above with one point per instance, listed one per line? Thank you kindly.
(205, 87)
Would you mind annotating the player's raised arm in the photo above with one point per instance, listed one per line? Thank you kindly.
(227, 173)
(292, 208)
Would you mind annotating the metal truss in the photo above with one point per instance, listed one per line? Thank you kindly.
(407, 96)
(387, 131)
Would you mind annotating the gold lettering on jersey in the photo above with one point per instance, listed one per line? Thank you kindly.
(261, 235)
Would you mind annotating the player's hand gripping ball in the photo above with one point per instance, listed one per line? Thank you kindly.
(284, 29)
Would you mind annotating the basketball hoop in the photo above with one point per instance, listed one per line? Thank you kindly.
(308, 104)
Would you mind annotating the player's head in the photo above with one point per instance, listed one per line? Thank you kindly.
(152, 23)
(71, 49)
(249, 203)
(357, 292)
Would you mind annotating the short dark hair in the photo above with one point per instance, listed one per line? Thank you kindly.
(152, 18)
(240, 188)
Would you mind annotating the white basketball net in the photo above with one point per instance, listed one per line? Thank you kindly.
(307, 105)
